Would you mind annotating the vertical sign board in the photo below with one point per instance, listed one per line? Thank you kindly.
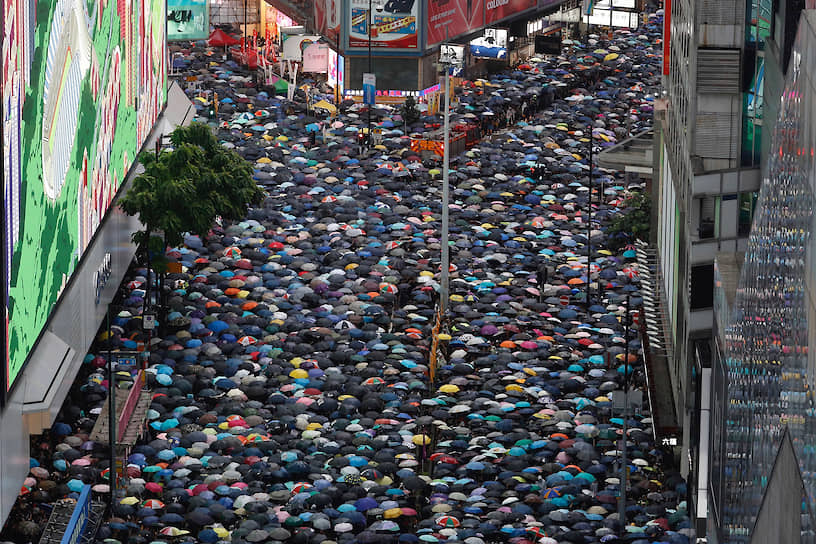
(76, 525)
(369, 88)
(666, 36)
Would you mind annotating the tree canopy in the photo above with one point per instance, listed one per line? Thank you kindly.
(185, 188)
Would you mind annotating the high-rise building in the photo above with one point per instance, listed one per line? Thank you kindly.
(763, 460)
(723, 61)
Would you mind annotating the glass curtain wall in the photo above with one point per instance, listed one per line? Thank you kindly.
(770, 365)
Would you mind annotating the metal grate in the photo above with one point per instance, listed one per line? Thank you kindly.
(717, 134)
(716, 12)
(718, 71)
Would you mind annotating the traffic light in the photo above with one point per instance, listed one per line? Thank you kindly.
(211, 111)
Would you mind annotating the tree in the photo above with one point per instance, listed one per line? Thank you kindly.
(632, 223)
(185, 188)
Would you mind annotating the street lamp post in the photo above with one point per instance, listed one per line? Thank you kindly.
(445, 257)
(624, 475)
(111, 415)
(370, 106)
(589, 224)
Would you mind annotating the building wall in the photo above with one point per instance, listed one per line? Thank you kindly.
(770, 369)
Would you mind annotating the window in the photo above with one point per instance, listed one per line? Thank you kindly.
(702, 286)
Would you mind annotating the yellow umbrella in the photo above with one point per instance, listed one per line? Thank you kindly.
(610, 56)
(324, 105)
(444, 336)
(130, 501)
(392, 513)
(421, 439)
(449, 388)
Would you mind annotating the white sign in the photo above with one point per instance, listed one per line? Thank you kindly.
(316, 58)
(149, 322)
(294, 45)
(452, 54)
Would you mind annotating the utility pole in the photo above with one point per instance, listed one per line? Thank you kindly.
(111, 416)
(624, 465)
(589, 224)
(445, 272)
(370, 106)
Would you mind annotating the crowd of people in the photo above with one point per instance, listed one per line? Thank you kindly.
(306, 388)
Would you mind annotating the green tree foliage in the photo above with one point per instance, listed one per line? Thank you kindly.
(185, 188)
(633, 223)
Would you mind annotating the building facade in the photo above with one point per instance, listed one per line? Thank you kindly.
(723, 63)
(765, 370)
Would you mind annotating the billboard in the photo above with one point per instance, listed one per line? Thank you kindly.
(327, 19)
(188, 19)
(457, 16)
(492, 45)
(496, 10)
(394, 24)
(82, 89)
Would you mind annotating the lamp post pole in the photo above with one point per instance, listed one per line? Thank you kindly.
(111, 415)
(589, 224)
(445, 272)
(370, 106)
(624, 475)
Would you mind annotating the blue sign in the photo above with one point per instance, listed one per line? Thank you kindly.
(369, 88)
(483, 52)
(79, 519)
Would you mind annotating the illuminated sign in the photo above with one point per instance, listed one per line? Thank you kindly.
(75, 115)
(188, 19)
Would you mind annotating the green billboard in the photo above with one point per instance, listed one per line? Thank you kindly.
(83, 84)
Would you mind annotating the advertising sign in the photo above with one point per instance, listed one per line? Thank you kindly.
(369, 88)
(492, 45)
(188, 19)
(75, 115)
(457, 16)
(327, 19)
(393, 25)
(294, 46)
(316, 58)
(496, 10)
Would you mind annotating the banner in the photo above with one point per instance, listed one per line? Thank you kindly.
(327, 19)
(369, 88)
(394, 24)
(316, 58)
(188, 20)
(501, 9)
(458, 16)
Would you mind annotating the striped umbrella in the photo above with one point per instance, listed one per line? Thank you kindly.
(448, 521)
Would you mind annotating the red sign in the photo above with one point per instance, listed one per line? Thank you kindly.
(496, 10)
(458, 16)
(564, 300)
(636, 318)
(666, 36)
(327, 19)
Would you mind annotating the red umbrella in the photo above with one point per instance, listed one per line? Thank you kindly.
(219, 38)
